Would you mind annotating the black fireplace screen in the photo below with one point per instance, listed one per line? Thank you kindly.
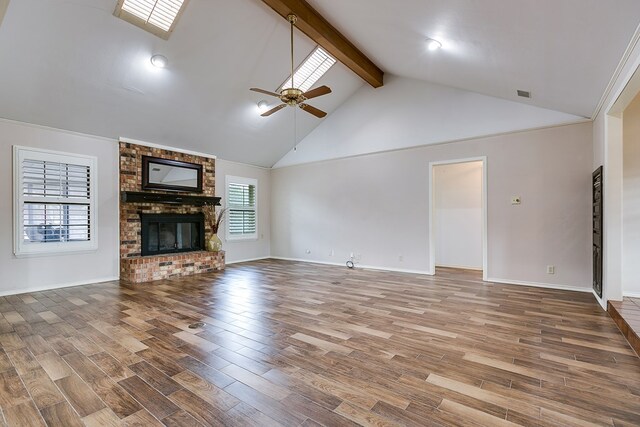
(164, 234)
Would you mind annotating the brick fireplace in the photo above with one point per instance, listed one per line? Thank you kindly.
(134, 266)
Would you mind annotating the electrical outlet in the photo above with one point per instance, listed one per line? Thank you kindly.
(551, 269)
(400, 258)
(516, 200)
(331, 253)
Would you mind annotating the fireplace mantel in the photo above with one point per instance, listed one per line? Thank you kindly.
(167, 199)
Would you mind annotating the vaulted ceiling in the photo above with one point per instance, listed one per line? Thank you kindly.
(71, 64)
(563, 51)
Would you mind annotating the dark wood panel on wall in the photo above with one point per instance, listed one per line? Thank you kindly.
(597, 208)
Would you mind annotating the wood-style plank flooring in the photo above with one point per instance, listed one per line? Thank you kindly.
(288, 344)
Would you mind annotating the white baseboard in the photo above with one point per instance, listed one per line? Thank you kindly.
(462, 267)
(429, 273)
(246, 260)
(57, 286)
(631, 294)
(306, 260)
(602, 301)
(395, 270)
(539, 285)
(367, 267)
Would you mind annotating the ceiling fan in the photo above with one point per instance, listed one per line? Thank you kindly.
(292, 96)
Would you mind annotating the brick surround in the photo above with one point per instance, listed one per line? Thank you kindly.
(135, 268)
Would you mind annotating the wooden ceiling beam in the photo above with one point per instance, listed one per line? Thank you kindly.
(318, 29)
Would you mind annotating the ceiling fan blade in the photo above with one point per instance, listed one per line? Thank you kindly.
(266, 92)
(319, 91)
(313, 110)
(273, 110)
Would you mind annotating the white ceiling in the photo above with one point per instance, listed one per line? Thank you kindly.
(71, 64)
(563, 51)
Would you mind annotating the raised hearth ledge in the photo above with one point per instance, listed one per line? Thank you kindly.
(158, 267)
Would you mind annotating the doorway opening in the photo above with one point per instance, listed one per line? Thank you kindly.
(621, 174)
(458, 215)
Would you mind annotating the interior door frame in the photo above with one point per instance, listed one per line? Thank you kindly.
(432, 240)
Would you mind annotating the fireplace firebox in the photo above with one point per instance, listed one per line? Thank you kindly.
(171, 233)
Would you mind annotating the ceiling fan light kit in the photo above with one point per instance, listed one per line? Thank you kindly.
(292, 96)
(433, 44)
(159, 61)
(263, 106)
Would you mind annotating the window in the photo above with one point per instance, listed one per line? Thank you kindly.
(242, 214)
(311, 70)
(54, 205)
(159, 17)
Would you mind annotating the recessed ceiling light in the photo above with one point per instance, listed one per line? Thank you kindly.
(159, 61)
(433, 44)
(263, 106)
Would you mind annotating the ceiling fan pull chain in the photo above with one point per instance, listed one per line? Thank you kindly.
(295, 129)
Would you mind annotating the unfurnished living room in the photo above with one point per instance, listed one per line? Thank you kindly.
(319, 213)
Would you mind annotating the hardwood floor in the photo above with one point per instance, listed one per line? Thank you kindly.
(301, 344)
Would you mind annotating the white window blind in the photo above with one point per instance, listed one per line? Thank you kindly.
(54, 207)
(160, 13)
(310, 71)
(242, 208)
(156, 16)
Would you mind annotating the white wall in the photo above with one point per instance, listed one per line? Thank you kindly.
(410, 113)
(457, 194)
(631, 200)
(45, 272)
(242, 250)
(377, 206)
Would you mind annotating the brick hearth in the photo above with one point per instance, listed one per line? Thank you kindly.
(144, 269)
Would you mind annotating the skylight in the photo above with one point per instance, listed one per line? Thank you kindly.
(156, 16)
(311, 70)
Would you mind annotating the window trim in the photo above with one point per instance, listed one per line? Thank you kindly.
(230, 179)
(22, 249)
